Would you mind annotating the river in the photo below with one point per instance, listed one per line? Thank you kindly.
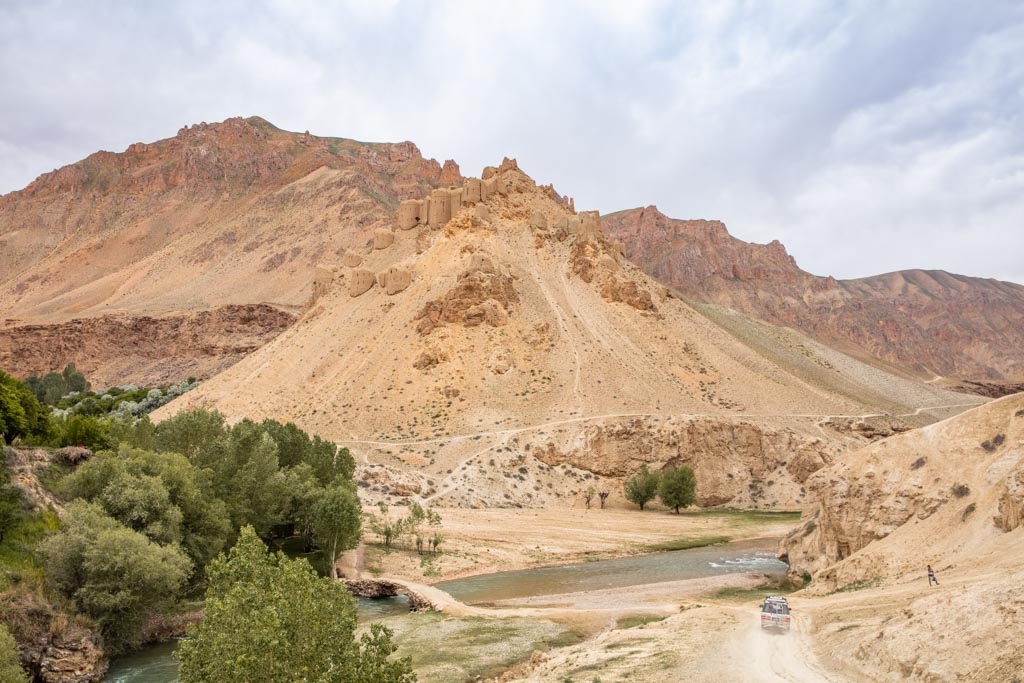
(156, 664)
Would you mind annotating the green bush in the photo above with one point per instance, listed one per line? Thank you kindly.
(112, 573)
(10, 664)
(22, 416)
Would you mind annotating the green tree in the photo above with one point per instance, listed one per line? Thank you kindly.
(11, 670)
(270, 619)
(73, 379)
(21, 413)
(190, 432)
(677, 488)
(81, 430)
(642, 487)
(159, 494)
(112, 573)
(337, 519)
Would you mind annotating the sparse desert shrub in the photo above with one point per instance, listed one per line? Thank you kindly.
(809, 529)
(961, 490)
(967, 512)
(993, 443)
(919, 463)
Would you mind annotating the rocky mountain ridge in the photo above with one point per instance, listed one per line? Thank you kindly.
(957, 330)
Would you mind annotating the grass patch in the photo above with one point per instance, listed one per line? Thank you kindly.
(18, 559)
(637, 620)
(747, 516)
(447, 649)
(774, 585)
(686, 543)
(857, 586)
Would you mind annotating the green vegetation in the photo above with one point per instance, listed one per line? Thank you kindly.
(420, 524)
(336, 523)
(22, 415)
(677, 488)
(444, 649)
(53, 386)
(642, 487)
(112, 573)
(269, 618)
(10, 665)
(687, 543)
(857, 586)
(154, 505)
(773, 585)
(637, 620)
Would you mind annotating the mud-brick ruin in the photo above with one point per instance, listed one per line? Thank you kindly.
(433, 212)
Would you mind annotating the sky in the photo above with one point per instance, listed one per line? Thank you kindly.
(867, 136)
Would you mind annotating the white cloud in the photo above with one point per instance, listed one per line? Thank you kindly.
(866, 137)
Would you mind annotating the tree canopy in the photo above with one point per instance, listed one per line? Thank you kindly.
(677, 488)
(642, 487)
(270, 619)
(112, 573)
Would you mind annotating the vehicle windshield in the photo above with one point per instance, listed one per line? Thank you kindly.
(775, 608)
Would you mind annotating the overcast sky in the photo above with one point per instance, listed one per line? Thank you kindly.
(867, 137)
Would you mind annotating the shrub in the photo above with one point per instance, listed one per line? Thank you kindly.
(961, 490)
(918, 464)
(10, 664)
(113, 574)
(967, 512)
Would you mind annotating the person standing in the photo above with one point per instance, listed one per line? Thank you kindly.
(931, 576)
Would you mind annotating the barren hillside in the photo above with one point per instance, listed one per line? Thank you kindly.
(233, 213)
(950, 495)
(927, 324)
(515, 337)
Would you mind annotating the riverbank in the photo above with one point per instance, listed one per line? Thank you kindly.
(491, 540)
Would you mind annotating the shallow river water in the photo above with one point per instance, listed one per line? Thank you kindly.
(156, 664)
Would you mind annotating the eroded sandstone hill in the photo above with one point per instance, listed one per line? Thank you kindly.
(232, 213)
(490, 338)
(926, 323)
(951, 495)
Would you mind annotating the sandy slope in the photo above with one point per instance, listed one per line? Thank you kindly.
(550, 341)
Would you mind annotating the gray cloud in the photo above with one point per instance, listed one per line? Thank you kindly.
(867, 137)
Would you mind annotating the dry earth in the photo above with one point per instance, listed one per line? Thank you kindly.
(470, 365)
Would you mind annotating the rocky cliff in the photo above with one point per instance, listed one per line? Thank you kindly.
(924, 323)
(143, 350)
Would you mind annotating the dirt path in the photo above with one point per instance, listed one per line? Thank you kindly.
(609, 416)
(755, 655)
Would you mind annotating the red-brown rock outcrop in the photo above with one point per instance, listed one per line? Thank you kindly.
(924, 323)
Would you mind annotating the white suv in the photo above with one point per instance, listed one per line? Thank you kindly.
(775, 613)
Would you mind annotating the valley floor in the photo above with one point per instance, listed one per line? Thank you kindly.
(489, 540)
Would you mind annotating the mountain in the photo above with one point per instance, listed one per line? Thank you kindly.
(965, 332)
(949, 495)
(491, 345)
(227, 214)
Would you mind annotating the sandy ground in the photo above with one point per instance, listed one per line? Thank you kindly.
(484, 541)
